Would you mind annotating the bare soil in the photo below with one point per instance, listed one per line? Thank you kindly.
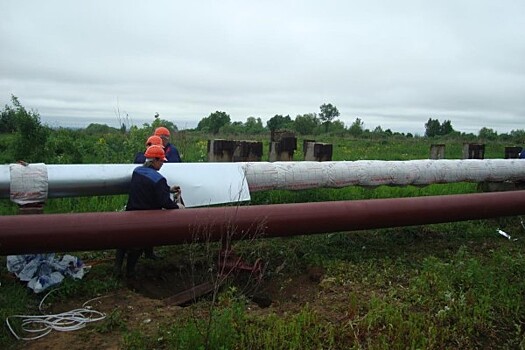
(141, 304)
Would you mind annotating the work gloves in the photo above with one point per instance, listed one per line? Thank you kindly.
(177, 196)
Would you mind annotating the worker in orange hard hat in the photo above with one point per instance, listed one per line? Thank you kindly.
(172, 154)
(140, 159)
(152, 140)
(149, 190)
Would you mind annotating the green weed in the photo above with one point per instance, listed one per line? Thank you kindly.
(303, 330)
(220, 331)
(15, 299)
(112, 322)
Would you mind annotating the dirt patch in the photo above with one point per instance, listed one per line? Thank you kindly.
(131, 307)
(159, 280)
(141, 306)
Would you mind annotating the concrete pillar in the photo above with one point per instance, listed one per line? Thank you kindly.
(221, 150)
(248, 151)
(305, 142)
(437, 151)
(490, 186)
(512, 152)
(282, 146)
(473, 151)
(316, 151)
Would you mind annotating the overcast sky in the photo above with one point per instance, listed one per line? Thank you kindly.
(390, 63)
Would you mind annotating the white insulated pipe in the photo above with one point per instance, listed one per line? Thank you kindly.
(303, 175)
(69, 180)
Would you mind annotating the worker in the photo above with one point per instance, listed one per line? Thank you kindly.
(149, 190)
(140, 159)
(152, 140)
(172, 154)
(522, 153)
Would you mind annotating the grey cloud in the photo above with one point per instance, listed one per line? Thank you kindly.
(393, 64)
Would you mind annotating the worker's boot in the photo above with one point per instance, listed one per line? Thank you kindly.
(133, 258)
(119, 260)
(149, 254)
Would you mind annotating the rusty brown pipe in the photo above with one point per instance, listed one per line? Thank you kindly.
(21, 234)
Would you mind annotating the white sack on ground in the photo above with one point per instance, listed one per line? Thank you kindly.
(42, 271)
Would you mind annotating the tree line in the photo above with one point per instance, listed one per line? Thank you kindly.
(306, 124)
(325, 122)
(23, 137)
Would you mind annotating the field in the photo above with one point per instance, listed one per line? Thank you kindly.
(455, 285)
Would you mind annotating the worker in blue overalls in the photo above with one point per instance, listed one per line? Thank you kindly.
(149, 190)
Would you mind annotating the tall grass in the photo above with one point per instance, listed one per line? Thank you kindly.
(383, 298)
(456, 285)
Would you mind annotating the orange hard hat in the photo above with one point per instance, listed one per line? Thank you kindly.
(155, 151)
(153, 140)
(162, 131)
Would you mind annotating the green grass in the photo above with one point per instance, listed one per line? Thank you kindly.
(14, 300)
(85, 204)
(443, 286)
(458, 302)
(454, 285)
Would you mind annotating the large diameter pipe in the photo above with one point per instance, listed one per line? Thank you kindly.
(66, 180)
(23, 234)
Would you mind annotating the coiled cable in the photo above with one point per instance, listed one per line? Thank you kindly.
(42, 325)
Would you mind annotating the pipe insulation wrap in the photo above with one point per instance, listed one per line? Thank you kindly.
(303, 175)
(25, 234)
(28, 183)
(108, 179)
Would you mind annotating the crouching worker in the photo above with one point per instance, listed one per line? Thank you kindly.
(149, 190)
